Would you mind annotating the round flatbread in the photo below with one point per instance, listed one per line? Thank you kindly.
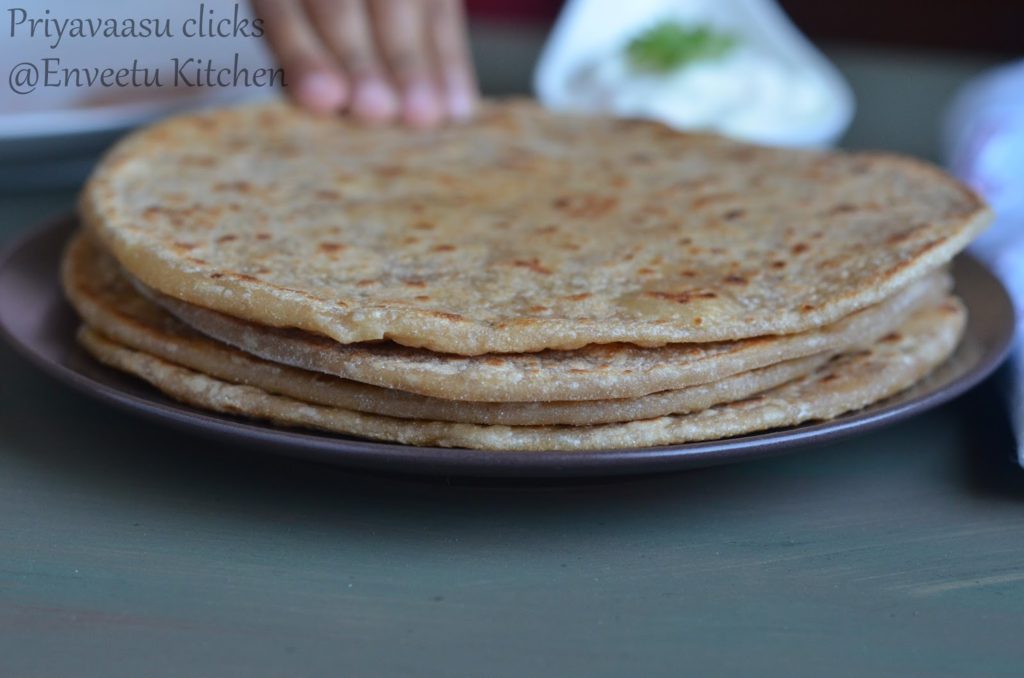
(848, 383)
(597, 371)
(520, 231)
(109, 304)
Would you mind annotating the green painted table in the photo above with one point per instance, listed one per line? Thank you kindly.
(128, 549)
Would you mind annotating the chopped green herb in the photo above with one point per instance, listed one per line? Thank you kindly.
(670, 45)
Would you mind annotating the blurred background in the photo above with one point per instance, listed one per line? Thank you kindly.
(904, 60)
(977, 25)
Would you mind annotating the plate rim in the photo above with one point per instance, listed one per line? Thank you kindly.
(396, 457)
(73, 121)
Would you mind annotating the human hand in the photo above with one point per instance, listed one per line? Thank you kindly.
(378, 60)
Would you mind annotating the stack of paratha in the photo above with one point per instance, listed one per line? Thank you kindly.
(528, 281)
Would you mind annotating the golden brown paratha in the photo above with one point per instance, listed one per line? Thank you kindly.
(523, 230)
(598, 371)
(108, 303)
(850, 382)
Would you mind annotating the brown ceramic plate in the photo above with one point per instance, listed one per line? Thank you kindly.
(38, 322)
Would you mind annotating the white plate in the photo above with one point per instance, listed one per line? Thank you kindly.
(52, 134)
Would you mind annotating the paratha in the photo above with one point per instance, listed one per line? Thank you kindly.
(108, 303)
(597, 371)
(521, 231)
(848, 383)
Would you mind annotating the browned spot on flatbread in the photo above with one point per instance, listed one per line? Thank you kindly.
(743, 154)
(842, 208)
(533, 265)
(448, 316)
(684, 297)
(233, 186)
(585, 206)
(710, 199)
(897, 238)
(267, 118)
(176, 215)
(388, 171)
(330, 247)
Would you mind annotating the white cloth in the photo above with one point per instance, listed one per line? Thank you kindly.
(984, 143)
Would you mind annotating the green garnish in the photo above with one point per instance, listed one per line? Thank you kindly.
(670, 45)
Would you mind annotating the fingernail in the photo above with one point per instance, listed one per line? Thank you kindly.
(321, 92)
(375, 101)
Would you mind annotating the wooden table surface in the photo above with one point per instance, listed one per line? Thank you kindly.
(129, 549)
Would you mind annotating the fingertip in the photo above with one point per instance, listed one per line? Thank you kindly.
(374, 101)
(461, 105)
(422, 106)
(460, 94)
(322, 92)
